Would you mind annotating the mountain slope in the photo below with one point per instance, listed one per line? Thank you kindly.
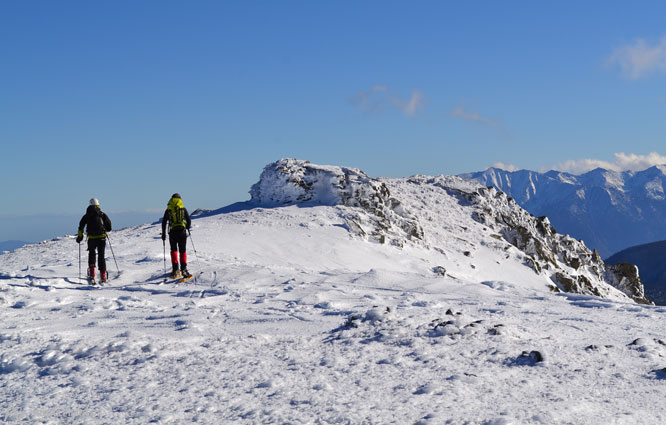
(399, 210)
(609, 210)
(301, 315)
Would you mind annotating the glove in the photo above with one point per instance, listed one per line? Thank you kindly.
(163, 237)
(79, 239)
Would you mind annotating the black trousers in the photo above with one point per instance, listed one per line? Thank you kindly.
(178, 239)
(99, 245)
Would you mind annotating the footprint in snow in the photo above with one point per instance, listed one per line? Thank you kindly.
(182, 325)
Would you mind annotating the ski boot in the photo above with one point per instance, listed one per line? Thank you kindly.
(175, 273)
(91, 275)
(186, 275)
(104, 277)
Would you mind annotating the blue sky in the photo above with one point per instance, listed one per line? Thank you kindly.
(130, 101)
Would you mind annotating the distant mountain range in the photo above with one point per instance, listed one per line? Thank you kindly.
(11, 245)
(609, 210)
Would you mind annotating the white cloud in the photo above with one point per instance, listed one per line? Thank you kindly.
(379, 96)
(580, 166)
(506, 167)
(640, 59)
(633, 162)
(412, 105)
(623, 162)
(460, 112)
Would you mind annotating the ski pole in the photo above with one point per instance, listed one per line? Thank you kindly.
(114, 255)
(79, 243)
(164, 251)
(194, 248)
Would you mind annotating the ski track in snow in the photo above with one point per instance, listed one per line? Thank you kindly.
(294, 320)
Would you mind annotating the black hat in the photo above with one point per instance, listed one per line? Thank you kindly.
(176, 195)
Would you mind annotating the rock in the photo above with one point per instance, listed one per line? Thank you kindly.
(531, 358)
(439, 270)
(377, 215)
(628, 281)
(660, 373)
(496, 330)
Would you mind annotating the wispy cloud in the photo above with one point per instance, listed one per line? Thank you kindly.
(461, 112)
(412, 105)
(380, 96)
(623, 162)
(640, 59)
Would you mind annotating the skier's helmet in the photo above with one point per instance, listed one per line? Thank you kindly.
(176, 195)
(94, 202)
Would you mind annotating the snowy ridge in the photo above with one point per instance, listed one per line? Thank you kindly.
(570, 265)
(296, 318)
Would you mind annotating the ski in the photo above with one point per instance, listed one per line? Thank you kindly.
(179, 278)
(185, 278)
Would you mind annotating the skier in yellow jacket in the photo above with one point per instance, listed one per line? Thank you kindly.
(179, 222)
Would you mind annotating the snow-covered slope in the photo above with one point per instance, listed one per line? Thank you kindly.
(398, 210)
(299, 316)
(609, 210)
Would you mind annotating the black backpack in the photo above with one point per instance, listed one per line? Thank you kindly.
(95, 221)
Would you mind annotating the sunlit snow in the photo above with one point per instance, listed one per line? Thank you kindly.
(295, 319)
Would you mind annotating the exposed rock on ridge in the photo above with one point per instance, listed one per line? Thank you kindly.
(374, 214)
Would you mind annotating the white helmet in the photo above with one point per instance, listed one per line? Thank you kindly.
(94, 202)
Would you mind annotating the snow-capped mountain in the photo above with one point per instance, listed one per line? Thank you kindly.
(609, 210)
(333, 297)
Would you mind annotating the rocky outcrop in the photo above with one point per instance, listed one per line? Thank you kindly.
(373, 213)
(571, 265)
(627, 279)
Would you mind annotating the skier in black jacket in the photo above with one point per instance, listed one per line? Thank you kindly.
(179, 221)
(97, 224)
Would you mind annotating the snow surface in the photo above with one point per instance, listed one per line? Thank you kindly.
(295, 319)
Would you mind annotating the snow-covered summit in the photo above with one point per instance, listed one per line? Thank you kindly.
(374, 212)
(289, 181)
